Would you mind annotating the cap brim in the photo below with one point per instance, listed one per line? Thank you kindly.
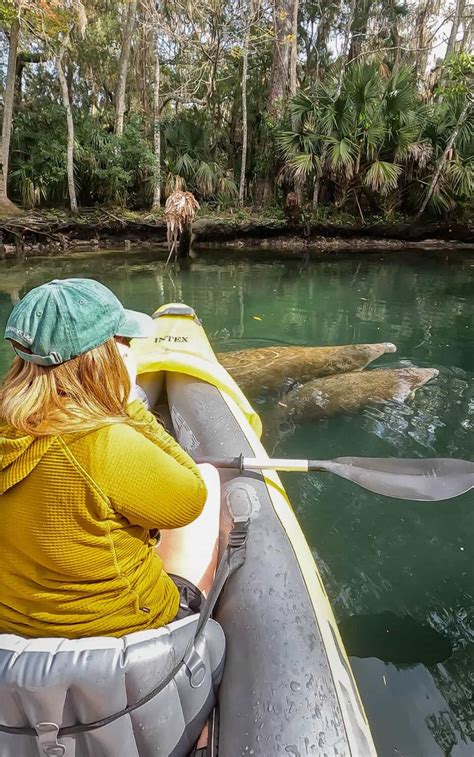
(134, 325)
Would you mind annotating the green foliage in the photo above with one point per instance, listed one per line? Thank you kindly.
(37, 162)
(459, 75)
(8, 11)
(108, 170)
(195, 160)
(359, 137)
(374, 140)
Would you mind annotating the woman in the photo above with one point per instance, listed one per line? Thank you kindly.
(87, 478)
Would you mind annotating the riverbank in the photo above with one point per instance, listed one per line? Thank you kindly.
(50, 232)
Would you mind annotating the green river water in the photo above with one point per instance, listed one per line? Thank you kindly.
(399, 574)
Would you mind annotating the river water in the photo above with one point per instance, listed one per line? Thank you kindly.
(399, 574)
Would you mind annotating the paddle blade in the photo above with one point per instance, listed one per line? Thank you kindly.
(429, 480)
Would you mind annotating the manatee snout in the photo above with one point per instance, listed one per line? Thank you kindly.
(420, 378)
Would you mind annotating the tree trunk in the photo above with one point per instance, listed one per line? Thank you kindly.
(345, 45)
(298, 181)
(123, 66)
(294, 50)
(467, 38)
(458, 13)
(70, 130)
(279, 78)
(447, 149)
(5, 204)
(157, 129)
(359, 27)
(321, 44)
(397, 42)
(316, 193)
(426, 10)
(421, 40)
(245, 62)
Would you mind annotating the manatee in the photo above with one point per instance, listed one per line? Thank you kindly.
(271, 367)
(401, 640)
(348, 392)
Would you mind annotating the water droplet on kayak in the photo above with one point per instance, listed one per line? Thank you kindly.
(295, 686)
(292, 749)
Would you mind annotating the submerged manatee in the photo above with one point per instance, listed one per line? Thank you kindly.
(271, 367)
(349, 392)
(401, 640)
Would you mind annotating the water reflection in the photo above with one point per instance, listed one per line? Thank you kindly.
(377, 555)
(429, 721)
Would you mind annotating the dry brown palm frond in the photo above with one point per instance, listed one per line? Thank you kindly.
(180, 210)
(420, 152)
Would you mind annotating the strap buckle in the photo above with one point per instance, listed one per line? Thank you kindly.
(239, 533)
(48, 739)
(195, 666)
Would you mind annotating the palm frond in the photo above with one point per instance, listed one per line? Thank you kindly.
(301, 106)
(362, 84)
(382, 176)
(288, 143)
(441, 201)
(419, 153)
(185, 165)
(174, 183)
(341, 155)
(460, 175)
(304, 165)
(227, 189)
(206, 177)
(374, 137)
(400, 95)
(402, 138)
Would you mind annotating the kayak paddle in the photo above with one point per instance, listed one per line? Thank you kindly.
(426, 480)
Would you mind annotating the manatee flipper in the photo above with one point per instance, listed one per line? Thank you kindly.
(271, 367)
(349, 392)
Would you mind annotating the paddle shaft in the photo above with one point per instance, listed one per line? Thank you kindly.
(255, 463)
(428, 480)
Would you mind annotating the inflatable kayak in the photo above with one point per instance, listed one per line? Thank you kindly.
(286, 686)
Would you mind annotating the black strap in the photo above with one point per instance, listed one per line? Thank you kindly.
(232, 559)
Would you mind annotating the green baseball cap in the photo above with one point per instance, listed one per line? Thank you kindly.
(67, 317)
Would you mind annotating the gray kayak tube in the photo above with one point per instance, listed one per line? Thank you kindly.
(288, 688)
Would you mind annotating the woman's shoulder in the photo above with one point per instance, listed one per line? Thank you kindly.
(107, 451)
(110, 433)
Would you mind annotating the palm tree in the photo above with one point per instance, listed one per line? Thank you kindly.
(361, 141)
(194, 161)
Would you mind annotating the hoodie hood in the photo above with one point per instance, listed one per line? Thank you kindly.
(19, 455)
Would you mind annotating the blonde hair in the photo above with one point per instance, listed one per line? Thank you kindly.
(82, 394)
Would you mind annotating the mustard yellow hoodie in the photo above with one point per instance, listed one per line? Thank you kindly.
(76, 555)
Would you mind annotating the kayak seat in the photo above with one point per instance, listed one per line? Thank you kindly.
(50, 686)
